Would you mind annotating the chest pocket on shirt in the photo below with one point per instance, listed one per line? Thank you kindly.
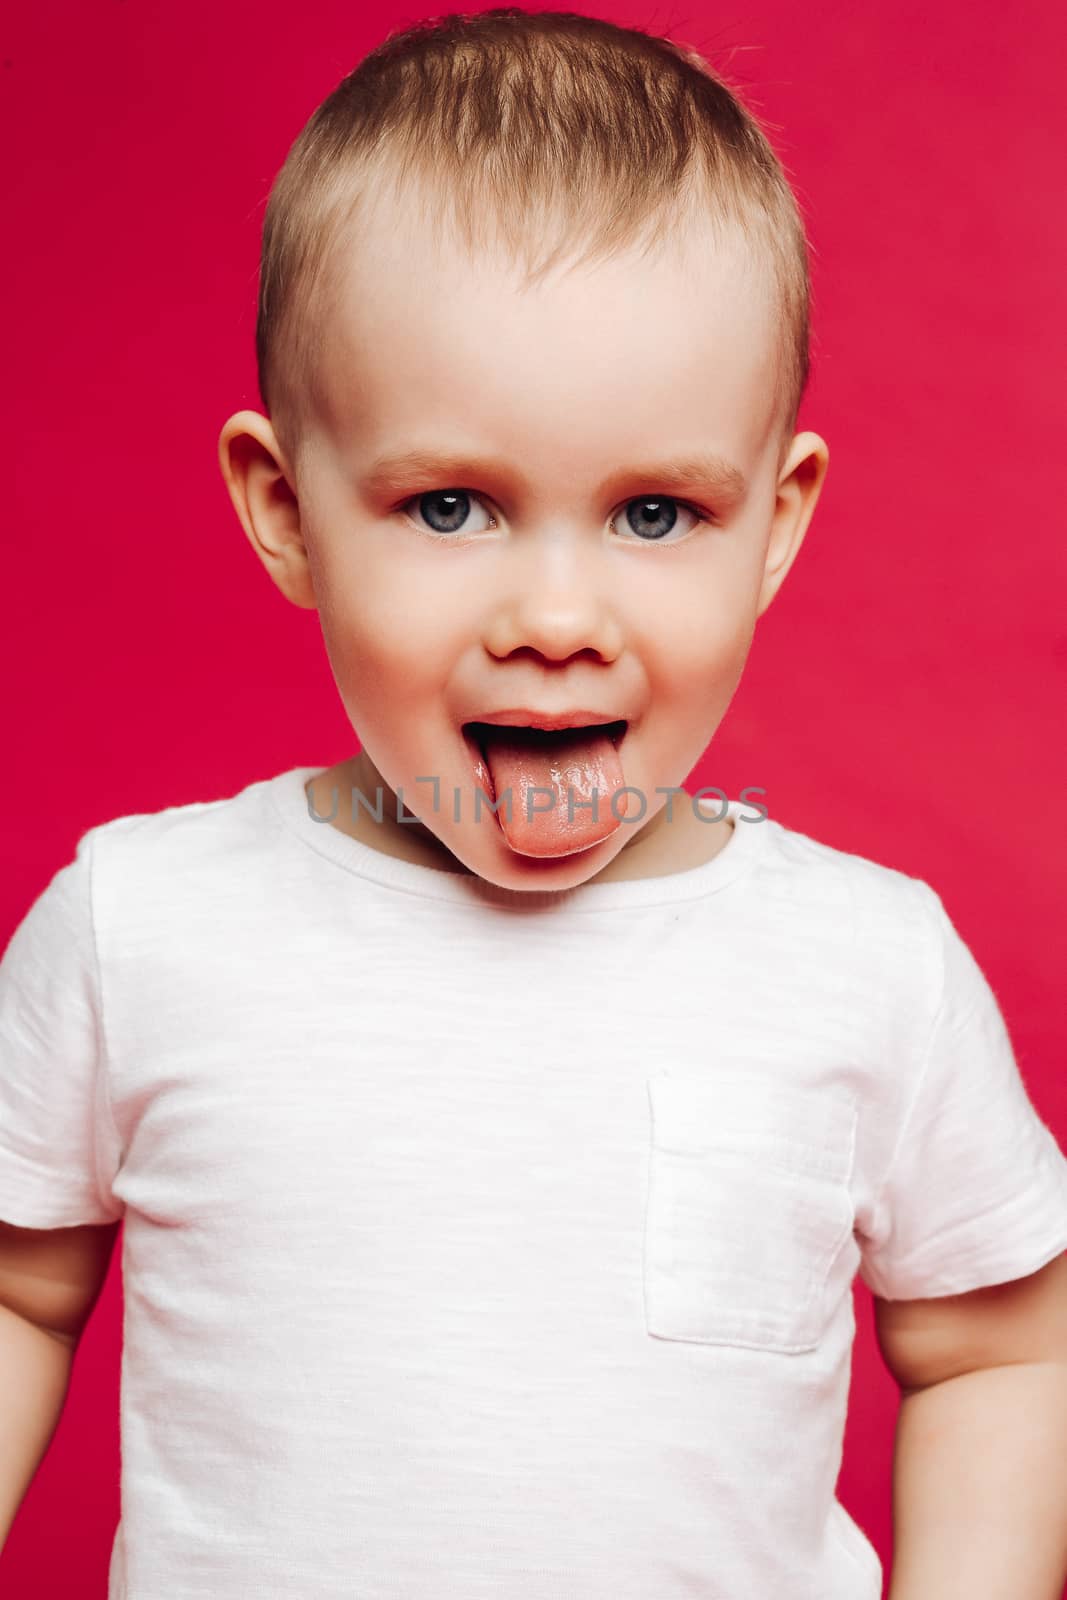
(748, 1207)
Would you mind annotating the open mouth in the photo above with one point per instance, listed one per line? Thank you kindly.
(542, 738)
(553, 790)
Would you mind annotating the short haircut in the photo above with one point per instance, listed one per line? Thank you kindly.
(546, 134)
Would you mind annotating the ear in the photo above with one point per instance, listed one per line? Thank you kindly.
(800, 481)
(260, 485)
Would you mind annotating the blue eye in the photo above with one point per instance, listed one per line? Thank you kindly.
(651, 517)
(446, 510)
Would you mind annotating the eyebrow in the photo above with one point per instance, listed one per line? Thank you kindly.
(703, 474)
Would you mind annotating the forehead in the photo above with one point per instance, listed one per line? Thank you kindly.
(422, 336)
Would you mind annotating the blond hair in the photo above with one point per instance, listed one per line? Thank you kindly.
(503, 123)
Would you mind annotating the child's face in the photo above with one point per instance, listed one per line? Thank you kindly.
(557, 411)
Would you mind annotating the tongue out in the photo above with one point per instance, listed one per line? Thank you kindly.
(553, 810)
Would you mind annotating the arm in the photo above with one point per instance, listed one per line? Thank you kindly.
(980, 1457)
(50, 1279)
(35, 1366)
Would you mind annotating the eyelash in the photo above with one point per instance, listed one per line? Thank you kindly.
(701, 515)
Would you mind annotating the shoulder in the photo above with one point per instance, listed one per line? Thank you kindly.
(865, 935)
(168, 859)
(883, 904)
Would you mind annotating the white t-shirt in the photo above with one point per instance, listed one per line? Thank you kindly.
(494, 1244)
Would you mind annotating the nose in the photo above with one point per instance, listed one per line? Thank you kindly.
(555, 604)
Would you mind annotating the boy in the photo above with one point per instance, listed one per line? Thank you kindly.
(498, 1128)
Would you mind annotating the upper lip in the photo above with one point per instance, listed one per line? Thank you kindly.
(524, 717)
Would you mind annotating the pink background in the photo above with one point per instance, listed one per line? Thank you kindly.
(905, 694)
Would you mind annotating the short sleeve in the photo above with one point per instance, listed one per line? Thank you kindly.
(58, 1147)
(976, 1192)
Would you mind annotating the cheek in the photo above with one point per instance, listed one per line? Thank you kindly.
(701, 623)
(386, 618)
(704, 642)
